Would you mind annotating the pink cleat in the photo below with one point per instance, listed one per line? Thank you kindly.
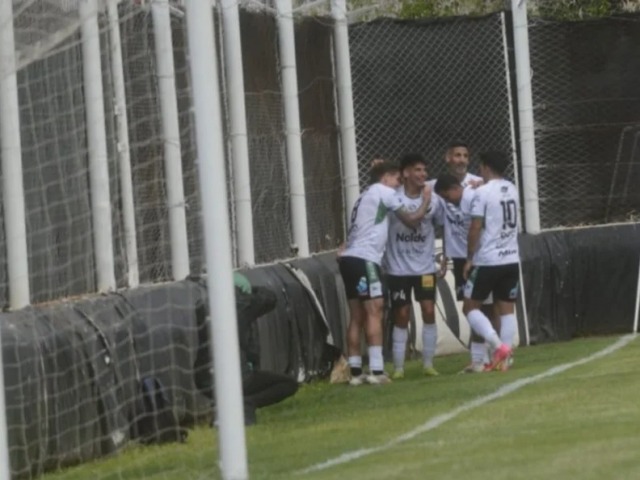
(501, 358)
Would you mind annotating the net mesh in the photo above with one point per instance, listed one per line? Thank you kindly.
(81, 369)
(419, 85)
(586, 108)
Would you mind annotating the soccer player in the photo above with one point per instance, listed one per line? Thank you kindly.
(410, 265)
(493, 257)
(457, 220)
(457, 159)
(359, 266)
(456, 227)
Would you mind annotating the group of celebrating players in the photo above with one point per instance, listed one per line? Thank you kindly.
(392, 229)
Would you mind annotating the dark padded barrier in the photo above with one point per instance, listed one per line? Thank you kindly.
(70, 382)
(580, 282)
(293, 337)
(74, 370)
(166, 337)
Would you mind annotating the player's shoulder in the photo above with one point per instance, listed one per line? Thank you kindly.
(470, 177)
(381, 189)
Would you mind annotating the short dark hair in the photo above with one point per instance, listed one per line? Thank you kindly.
(445, 182)
(496, 160)
(456, 144)
(380, 169)
(411, 159)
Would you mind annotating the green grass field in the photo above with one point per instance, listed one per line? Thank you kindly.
(581, 423)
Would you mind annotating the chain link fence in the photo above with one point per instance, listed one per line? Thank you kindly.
(418, 85)
(586, 99)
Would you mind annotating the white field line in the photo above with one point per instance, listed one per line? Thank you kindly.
(438, 420)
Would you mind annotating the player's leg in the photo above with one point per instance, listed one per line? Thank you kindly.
(477, 346)
(352, 270)
(491, 312)
(373, 303)
(506, 293)
(480, 284)
(425, 293)
(400, 294)
(374, 313)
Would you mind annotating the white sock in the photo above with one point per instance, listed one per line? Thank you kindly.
(400, 336)
(355, 361)
(508, 328)
(488, 353)
(429, 341)
(376, 362)
(482, 326)
(478, 352)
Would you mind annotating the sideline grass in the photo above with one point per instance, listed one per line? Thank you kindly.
(581, 423)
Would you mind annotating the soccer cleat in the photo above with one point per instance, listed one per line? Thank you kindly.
(381, 379)
(430, 372)
(398, 374)
(358, 380)
(501, 358)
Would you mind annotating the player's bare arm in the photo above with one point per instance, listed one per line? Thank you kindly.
(472, 243)
(413, 219)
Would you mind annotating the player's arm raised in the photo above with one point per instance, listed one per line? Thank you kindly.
(413, 219)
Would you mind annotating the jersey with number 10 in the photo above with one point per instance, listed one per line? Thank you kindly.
(367, 236)
(496, 203)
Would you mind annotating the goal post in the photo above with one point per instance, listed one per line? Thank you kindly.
(210, 144)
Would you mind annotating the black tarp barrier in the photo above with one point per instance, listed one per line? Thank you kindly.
(580, 282)
(74, 370)
(70, 382)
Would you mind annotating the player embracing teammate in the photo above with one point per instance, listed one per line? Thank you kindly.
(400, 220)
(492, 263)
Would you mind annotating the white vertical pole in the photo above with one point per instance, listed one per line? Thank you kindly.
(12, 181)
(636, 311)
(13, 198)
(171, 133)
(238, 131)
(124, 156)
(97, 143)
(213, 187)
(345, 105)
(525, 116)
(287, 43)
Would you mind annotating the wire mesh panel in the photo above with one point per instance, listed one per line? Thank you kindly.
(586, 99)
(145, 136)
(323, 185)
(418, 85)
(265, 127)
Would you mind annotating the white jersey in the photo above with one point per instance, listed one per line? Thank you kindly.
(369, 228)
(457, 218)
(497, 203)
(411, 251)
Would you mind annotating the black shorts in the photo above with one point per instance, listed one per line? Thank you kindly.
(362, 278)
(458, 267)
(501, 280)
(423, 287)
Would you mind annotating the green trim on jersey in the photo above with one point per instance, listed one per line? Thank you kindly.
(381, 214)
